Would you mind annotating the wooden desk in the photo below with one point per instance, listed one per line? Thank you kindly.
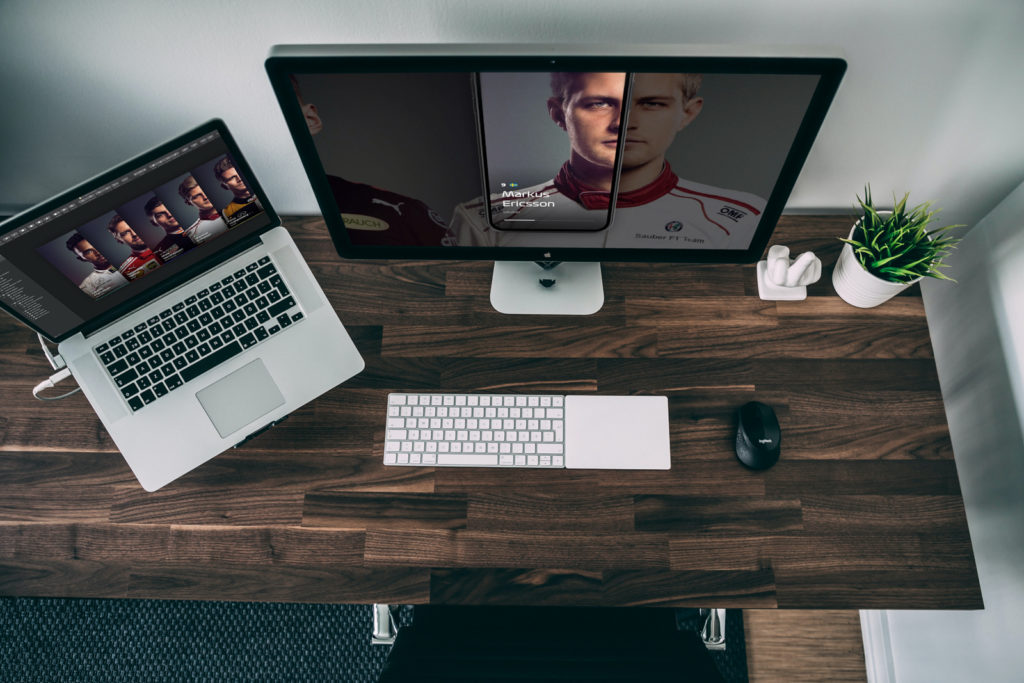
(862, 511)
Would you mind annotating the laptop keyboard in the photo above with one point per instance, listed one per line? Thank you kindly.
(199, 333)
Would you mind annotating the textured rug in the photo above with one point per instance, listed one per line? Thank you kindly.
(85, 640)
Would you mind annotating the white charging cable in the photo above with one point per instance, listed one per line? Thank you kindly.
(63, 373)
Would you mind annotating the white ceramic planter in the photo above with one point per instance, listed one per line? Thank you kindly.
(857, 286)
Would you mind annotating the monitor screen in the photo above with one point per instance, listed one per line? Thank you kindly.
(527, 154)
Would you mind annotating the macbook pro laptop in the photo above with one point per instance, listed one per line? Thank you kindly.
(178, 301)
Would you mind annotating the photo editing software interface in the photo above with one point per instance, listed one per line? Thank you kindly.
(533, 159)
(98, 250)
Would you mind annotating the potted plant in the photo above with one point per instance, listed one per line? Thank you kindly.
(887, 251)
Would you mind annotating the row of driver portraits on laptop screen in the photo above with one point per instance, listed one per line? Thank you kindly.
(136, 238)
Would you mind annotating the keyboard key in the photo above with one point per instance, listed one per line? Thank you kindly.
(173, 382)
(126, 378)
(211, 361)
(102, 347)
(147, 396)
(117, 367)
(281, 306)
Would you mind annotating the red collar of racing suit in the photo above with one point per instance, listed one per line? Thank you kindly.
(590, 198)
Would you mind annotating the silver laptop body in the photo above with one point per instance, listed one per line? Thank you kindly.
(167, 423)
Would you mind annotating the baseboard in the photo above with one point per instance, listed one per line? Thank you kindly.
(874, 628)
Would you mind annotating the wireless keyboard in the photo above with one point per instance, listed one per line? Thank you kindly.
(527, 430)
(475, 430)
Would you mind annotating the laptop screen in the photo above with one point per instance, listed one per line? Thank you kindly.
(108, 241)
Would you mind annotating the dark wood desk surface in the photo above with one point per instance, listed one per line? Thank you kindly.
(863, 510)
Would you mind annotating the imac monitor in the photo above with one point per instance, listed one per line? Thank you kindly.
(548, 160)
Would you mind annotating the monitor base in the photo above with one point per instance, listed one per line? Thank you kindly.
(516, 288)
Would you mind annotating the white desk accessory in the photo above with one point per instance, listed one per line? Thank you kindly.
(780, 279)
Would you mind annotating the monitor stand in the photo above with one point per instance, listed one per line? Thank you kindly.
(517, 288)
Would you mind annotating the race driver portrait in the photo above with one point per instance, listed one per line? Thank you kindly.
(653, 206)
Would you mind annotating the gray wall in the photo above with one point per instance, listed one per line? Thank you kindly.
(929, 103)
(977, 329)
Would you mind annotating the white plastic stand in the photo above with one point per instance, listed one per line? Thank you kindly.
(769, 291)
(781, 279)
(516, 288)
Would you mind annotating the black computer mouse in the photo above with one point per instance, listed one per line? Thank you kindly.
(757, 436)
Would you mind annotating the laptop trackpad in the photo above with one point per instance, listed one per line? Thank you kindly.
(241, 397)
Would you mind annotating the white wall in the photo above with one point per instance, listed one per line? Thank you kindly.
(931, 101)
(977, 329)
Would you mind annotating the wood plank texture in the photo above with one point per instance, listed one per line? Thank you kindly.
(862, 511)
(804, 646)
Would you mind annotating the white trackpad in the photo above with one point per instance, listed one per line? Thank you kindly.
(243, 396)
(617, 433)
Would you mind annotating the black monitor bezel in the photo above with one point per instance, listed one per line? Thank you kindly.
(281, 66)
(206, 263)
